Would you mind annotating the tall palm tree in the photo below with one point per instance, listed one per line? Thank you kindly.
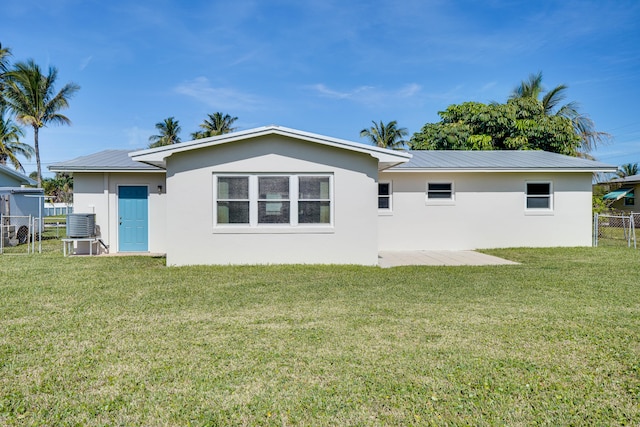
(628, 169)
(5, 53)
(215, 124)
(168, 131)
(385, 136)
(32, 97)
(552, 104)
(10, 144)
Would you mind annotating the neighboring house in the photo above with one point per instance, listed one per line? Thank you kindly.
(279, 195)
(623, 198)
(18, 203)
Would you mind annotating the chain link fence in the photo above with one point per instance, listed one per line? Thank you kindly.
(18, 234)
(616, 229)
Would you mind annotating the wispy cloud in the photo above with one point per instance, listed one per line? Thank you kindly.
(225, 98)
(137, 137)
(368, 94)
(85, 62)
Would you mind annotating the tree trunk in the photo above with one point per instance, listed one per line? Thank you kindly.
(36, 148)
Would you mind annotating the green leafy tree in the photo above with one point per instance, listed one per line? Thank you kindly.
(168, 131)
(10, 144)
(215, 124)
(31, 96)
(628, 169)
(518, 124)
(552, 102)
(5, 53)
(59, 188)
(385, 135)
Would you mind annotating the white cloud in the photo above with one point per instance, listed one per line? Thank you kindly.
(222, 98)
(369, 94)
(85, 62)
(137, 137)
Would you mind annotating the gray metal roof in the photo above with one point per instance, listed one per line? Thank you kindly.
(107, 161)
(499, 160)
(632, 179)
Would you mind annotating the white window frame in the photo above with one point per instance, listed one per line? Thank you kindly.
(538, 211)
(440, 201)
(292, 226)
(389, 196)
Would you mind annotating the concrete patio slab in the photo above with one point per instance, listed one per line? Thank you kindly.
(398, 258)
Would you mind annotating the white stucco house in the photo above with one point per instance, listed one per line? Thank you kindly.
(279, 195)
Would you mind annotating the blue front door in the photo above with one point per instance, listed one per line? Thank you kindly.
(133, 219)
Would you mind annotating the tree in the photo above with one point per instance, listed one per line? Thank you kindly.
(628, 169)
(5, 53)
(10, 144)
(552, 100)
(385, 136)
(518, 124)
(215, 124)
(168, 131)
(59, 188)
(32, 97)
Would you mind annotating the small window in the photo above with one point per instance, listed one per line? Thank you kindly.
(384, 195)
(273, 200)
(630, 199)
(233, 200)
(314, 200)
(539, 195)
(439, 191)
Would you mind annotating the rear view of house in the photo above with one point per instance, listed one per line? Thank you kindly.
(278, 195)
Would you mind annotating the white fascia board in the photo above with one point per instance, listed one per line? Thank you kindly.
(102, 170)
(157, 156)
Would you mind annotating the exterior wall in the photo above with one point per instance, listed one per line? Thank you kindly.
(7, 180)
(98, 193)
(193, 239)
(488, 212)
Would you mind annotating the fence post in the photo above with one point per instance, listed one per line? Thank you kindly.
(595, 229)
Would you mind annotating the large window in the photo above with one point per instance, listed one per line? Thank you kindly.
(263, 200)
(539, 195)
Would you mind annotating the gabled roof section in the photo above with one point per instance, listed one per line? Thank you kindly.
(498, 161)
(158, 156)
(104, 161)
(22, 179)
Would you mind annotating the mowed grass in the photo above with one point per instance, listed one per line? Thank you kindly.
(126, 341)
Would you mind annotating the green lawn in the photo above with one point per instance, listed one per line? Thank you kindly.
(126, 341)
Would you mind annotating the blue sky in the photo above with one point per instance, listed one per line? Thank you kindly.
(321, 66)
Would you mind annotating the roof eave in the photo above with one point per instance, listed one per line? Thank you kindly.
(485, 170)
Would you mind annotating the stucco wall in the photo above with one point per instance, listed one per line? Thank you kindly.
(98, 193)
(193, 239)
(488, 212)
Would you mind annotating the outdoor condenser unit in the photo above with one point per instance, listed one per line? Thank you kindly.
(81, 225)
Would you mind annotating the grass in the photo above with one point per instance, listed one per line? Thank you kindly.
(126, 341)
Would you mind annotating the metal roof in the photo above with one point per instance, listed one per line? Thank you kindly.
(631, 179)
(104, 161)
(498, 160)
(23, 179)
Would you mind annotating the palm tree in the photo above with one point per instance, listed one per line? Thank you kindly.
(32, 97)
(628, 169)
(10, 144)
(168, 131)
(215, 124)
(551, 102)
(385, 136)
(5, 53)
